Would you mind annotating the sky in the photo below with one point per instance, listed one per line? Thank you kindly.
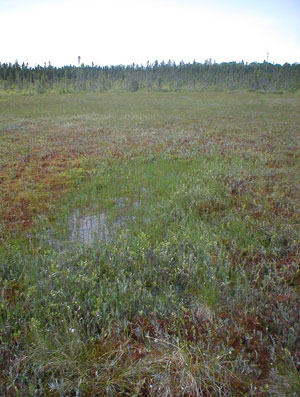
(114, 32)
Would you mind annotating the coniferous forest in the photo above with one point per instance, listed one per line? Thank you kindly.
(155, 77)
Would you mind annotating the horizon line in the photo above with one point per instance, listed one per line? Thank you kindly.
(148, 63)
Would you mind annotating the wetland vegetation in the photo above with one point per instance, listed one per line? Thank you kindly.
(150, 243)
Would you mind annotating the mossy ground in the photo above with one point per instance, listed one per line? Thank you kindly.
(196, 290)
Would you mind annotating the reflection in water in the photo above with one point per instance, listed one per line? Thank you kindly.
(84, 228)
(88, 228)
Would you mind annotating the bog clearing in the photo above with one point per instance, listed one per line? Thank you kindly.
(150, 244)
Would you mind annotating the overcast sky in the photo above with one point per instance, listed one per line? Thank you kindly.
(112, 32)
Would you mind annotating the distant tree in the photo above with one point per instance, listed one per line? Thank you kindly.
(159, 84)
(134, 86)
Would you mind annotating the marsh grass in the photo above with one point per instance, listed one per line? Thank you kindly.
(193, 289)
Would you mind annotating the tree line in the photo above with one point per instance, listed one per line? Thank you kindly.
(164, 76)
